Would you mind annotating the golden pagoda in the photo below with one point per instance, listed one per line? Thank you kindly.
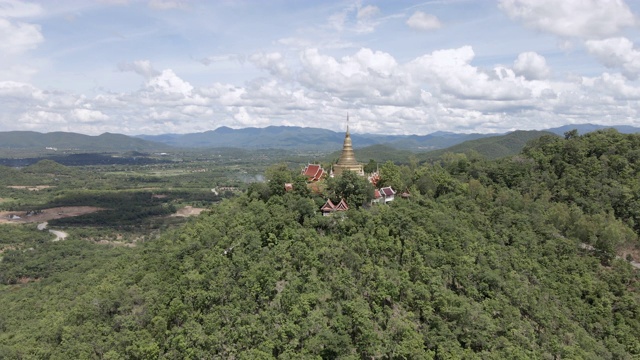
(347, 161)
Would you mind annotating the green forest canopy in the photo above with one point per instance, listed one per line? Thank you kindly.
(484, 260)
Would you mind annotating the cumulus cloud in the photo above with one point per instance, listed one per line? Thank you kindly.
(367, 73)
(423, 21)
(18, 37)
(440, 90)
(168, 82)
(42, 120)
(18, 90)
(273, 62)
(617, 86)
(616, 53)
(140, 67)
(451, 72)
(571, 18)
(88, 115)
(532, 66)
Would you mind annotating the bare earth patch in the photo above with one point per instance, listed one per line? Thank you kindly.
(21, 217)
(632, 250)
(188, 211)
(30, 188)
(115, 243)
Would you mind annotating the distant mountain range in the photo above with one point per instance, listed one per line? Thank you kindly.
(107, 142)
(272, 137)
(292, 137)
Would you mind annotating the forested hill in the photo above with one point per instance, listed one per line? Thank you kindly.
(30, 140)
(493, 147)
(485, 260)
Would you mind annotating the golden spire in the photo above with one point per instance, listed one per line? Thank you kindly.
(347, 157)
(347, 123)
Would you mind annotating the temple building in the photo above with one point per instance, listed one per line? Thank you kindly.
(347, 161)
(314, 172)
(329, 207)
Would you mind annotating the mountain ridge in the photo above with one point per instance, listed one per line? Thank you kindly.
(252, 138)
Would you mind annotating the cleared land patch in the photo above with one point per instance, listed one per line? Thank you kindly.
(30, 188)
(20, 217)
(188, 211)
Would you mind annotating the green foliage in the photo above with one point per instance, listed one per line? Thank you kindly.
(493, 147)
(355, 189)
(513, 258)
(370, 167)
(390, 176)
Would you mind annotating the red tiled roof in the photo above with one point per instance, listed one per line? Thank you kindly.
(328, 206)
(376, 194)
(342, 206)
(313, 172)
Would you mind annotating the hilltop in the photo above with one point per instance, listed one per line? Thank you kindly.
(487, 259)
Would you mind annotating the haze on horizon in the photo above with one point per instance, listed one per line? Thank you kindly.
(412, 67)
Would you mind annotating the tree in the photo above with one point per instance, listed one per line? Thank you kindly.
(390, 176)
(372, 166)
(355, 189)
(278, 175)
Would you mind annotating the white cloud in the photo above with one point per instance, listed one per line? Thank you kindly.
(140, 67)
(19, 9)
(423, 21)
(532, 66)
(16, 72)
(42, 121)
(367, 74)
(195, 110)
(273, 62)
(18, 37)
(572, 18)
(168, 82)
(617, 53)
(450, 71)
(355, 18)
(88, 115)
(616, 86)
(13, 89)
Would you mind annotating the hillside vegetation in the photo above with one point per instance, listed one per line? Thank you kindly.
(493, 147)
(485, 260)
(26, 140)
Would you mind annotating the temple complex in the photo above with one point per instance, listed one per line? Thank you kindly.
(347, 161)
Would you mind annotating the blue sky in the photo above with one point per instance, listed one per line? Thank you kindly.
(397, 67)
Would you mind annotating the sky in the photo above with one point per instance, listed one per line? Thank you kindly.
(394, 67)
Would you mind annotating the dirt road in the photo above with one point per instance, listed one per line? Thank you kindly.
(60, 235)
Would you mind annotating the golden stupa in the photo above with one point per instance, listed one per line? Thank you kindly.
(347, 161)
